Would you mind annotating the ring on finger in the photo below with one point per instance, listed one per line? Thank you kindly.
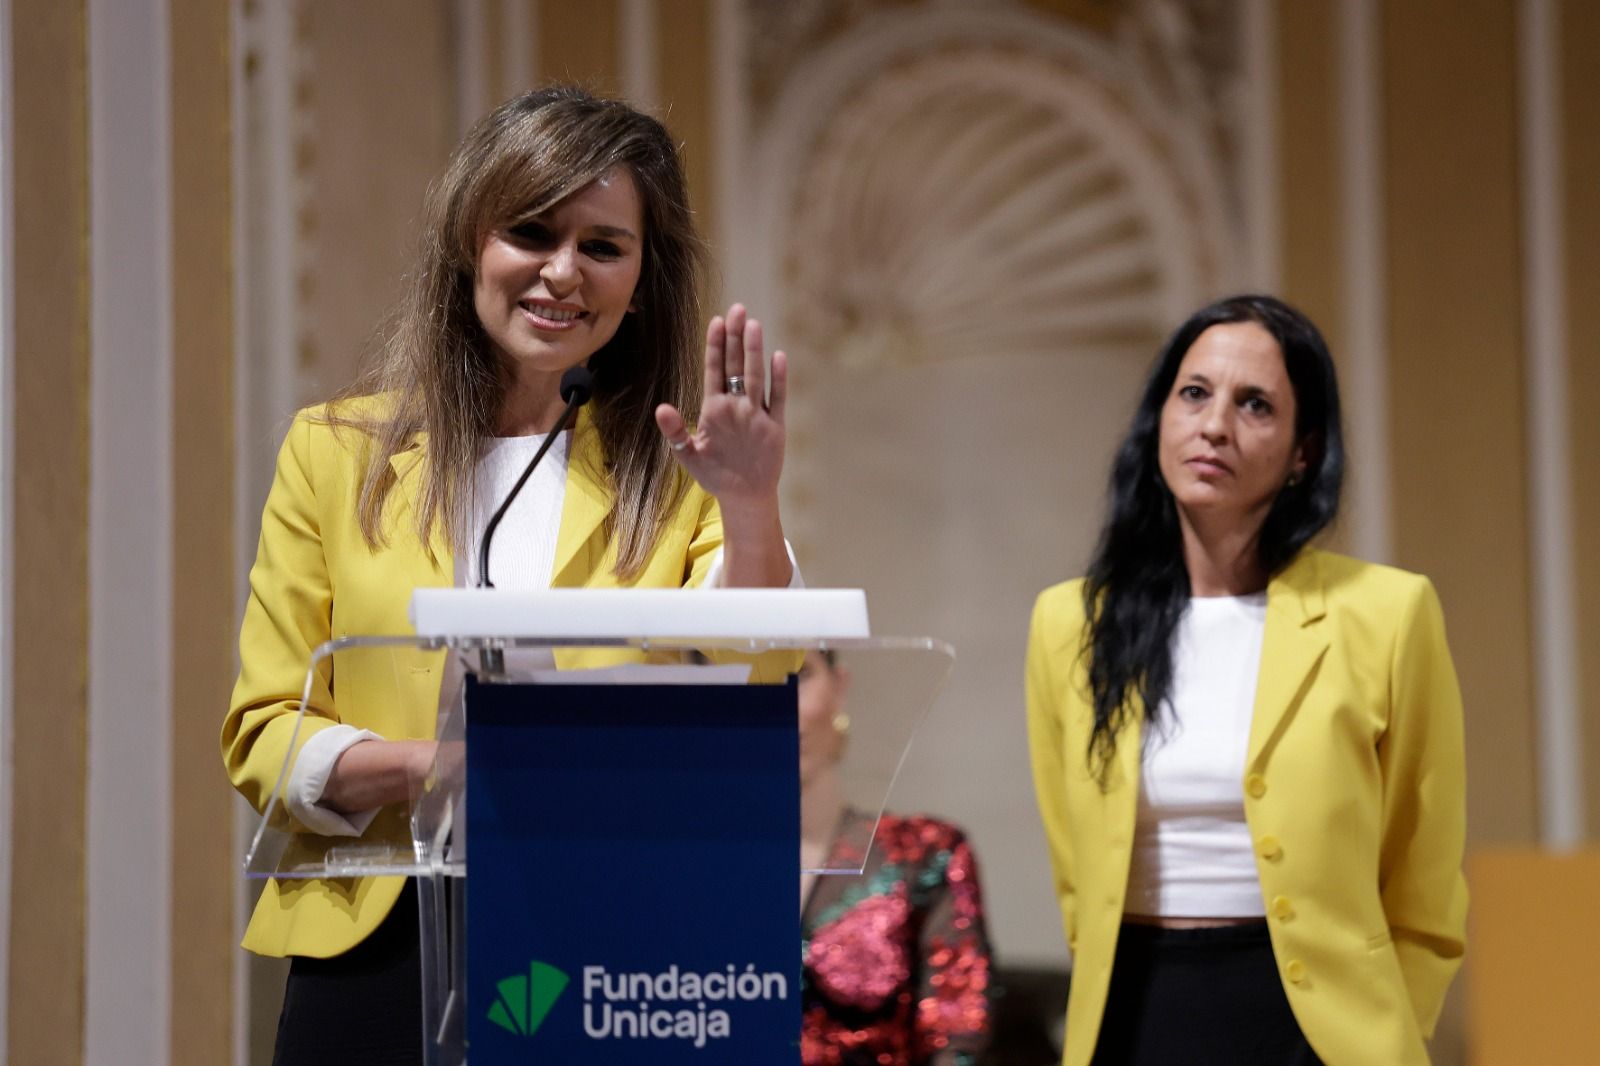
(735, 386)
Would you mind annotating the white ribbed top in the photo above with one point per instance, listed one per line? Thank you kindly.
(523, 555)
(1192, 853)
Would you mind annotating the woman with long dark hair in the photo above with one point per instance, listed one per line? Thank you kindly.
(1247, 751)
(559, 235)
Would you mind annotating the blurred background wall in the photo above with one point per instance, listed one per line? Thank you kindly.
(970, 223)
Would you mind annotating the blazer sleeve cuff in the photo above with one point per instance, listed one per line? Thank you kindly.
(302, 795)
(715, 575)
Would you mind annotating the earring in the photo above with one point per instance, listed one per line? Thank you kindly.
(841, 724)
(1294, 479)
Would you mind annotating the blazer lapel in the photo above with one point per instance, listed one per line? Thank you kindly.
(421, 571)
(584, 507)
(586, 503)
(1291, 648)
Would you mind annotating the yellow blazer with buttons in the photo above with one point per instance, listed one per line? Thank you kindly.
(316, 578)
(1354, 792)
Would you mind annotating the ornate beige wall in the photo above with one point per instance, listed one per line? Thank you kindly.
(969, 222)
(120, 861)
(974, 226)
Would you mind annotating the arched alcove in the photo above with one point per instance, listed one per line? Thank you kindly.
(972, 225)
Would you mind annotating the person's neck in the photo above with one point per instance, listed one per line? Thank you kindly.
(1222, 554)
(532, 405)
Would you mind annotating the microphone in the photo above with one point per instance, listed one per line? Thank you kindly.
(577, 384)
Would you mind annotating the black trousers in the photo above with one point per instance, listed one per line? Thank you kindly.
(1198, 997)
(364, 1006)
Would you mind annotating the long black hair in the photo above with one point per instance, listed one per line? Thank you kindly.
(1138, 585)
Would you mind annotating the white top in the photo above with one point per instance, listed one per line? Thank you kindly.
(1192, 853)
(522, 557)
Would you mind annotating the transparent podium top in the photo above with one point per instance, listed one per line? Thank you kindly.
(858, 716)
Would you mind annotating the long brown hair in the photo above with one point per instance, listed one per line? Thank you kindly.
(435, 370)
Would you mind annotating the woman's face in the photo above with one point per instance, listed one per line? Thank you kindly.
(822, 689)
(1228, 426)
(552, 291)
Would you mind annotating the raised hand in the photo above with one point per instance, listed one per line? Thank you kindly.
(735, 451)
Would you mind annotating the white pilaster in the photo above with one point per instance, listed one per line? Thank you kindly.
(250, 44)
(129, 928)
(472, 89)
(735, 199)
(641, 73)
(516, 48)
(1263, 197)
(1544, 302)
(1365, 355)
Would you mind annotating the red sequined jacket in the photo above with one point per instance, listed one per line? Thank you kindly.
(897, 960)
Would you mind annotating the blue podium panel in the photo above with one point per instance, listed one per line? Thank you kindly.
(634, 888)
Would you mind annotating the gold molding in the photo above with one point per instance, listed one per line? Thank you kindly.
(204, 867)
(1579, 34)
(50, 512)
(580, 44)
(685, 62)
(1457, 364)
(1308, 136)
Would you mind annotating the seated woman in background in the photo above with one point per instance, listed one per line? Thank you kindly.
(897, 960)
(1248, 752)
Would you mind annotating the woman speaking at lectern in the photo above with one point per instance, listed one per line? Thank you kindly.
(559, 236)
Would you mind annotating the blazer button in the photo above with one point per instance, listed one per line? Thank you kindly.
(1282, 908)
(1268, 847)
(1255, 785)
(1295, 971)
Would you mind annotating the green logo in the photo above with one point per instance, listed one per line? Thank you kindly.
(524, 1001)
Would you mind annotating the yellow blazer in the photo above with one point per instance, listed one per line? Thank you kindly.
(315, 578)
(1354, 791)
